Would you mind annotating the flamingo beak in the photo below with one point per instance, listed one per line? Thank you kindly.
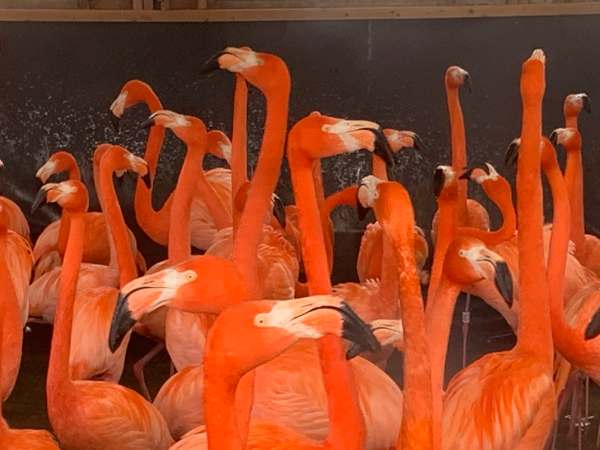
(467, 83)
(382, 147)
(279, 210)
(554, 138)
(357, 331)
(587, 104)
(438, 181)
(511, 154)
(40, 197)
(121, 323)
(593, 328)
(467, 174)
(149, 122)
(418, 143)
(503, 282)
(212, 64)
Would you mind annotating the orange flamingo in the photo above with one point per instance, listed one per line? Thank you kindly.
(10, 438)
(90, 414)
(15, 217)
(50, 245)
(156, 223)
(506, 399)
(271, 328)
(393, 209)
(297, 371)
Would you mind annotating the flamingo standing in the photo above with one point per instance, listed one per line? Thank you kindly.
(90, 414)
(506, 399)
(297, 372)
(9, 438)
(156, 223)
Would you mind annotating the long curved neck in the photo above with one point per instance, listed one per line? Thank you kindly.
(63, 230)
(249, 232)
(239, 143)
(117, 229)
(379, 167)
(459, 148)
(502, 198)
(190, 178)
(154, 223)
(346, 196)
(58, 380)
(563, 335)
(388, 286)
(394, 213)
(347, 426)
(574, 182)
(446, 229)
(534, 333)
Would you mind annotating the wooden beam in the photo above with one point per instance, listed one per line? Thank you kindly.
(299, 14)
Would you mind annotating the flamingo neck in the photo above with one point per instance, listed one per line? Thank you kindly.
(534, 334)
(346, 196)
(63, 230)
(459, 149)
(446, 229)
(58, 380)
(337, 377)
(379, 167)
(262, 186)
(394, 212)
(502, 198)
(190, 178)
(574, 182)
(117, 229)
(388, 287)
(239, 142)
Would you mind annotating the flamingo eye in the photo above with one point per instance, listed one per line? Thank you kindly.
(462, 253)
(190, 275)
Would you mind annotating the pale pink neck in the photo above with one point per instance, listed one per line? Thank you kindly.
(379, 167)
(262, 187)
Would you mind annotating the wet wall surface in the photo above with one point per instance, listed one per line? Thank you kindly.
(58, 80)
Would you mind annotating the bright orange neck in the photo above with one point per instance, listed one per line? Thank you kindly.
(346, 197)
(574, 183)
(459, 148)
(379, 167)
(239, 143)
(534, 334)
(394, 212)
(63, 230)
(262, 186)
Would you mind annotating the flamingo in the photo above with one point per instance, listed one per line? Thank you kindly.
(393, 209)
(11, 438)
(297, 372)
(90, 414)
(272, 327)
(506, 399)
(156, 223)
(15, 217)
(53, 237)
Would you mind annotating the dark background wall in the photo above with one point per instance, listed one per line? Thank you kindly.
(58, 80)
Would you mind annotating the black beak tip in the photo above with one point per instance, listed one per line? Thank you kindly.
(147, 180)
(503, 282)
(587, 105)
(467, 84)
(279, 211)
(361, 211)
(147, 124)
(510, 156)
(211, 65)
(467, 174)
(554, 138)
(116, 122)
(121, 323)
(38, 200)
(418, 143)
(357, 331)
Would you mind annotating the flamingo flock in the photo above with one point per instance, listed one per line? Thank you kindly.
(264, 360)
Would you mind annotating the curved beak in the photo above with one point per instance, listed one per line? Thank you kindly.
(503, 282)
(357, 331)
(382, 147)
(510, 156)
(554, 138)
(467, 83)
(122, 321)
(149, 122)
(467, 174)
(418, 143)
(587, 104)
(211, 65)
(279, 210)
(438, 182)
(147, 180)
(116, 122)
(593, 328)
(40, 197)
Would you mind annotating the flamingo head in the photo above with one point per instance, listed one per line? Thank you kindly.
(443, 177)
(481, 175)
(219, 145)
(205, 284)
(367, 194)
(468, 261)
(575, 103)
(569, 138)
(263, 70)
(60, 161)
(70, 195)
(121, 161)
(319, 136)
(132, 93)
(267, 328)
(189, 129)
(401, 139)
(457, 77)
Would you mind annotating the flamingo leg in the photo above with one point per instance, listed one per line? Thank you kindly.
(140, 364)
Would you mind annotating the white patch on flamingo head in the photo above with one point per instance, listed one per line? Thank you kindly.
(368, 192)
(118, 106)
